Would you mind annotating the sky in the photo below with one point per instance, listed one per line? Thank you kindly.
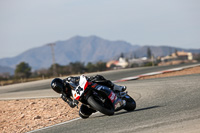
(26, 24)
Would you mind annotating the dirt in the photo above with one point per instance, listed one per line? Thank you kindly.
(19, 116)
(188, 71)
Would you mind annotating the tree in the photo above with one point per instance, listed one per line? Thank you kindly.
(101, 66)
(149, 53)
(91, 67)
(58, 70)
(176, 52)
(23, 70)
(76, 67)
(122, 55)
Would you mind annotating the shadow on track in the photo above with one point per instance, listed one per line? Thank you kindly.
(124, 112)
(147, 108)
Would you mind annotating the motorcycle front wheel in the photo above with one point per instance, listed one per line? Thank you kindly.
(103, 107)
(130, 103)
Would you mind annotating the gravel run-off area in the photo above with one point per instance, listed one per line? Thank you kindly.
(19, 116)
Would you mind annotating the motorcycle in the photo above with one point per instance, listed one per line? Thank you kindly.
(101, 98)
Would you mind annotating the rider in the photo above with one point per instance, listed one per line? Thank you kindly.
(64, 86)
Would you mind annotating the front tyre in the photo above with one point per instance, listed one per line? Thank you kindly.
(105, 108)
(130, 103)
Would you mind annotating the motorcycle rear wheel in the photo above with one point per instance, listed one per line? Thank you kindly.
(98, 105)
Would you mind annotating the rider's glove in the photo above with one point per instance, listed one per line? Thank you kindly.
(72, 103)
(75, 103)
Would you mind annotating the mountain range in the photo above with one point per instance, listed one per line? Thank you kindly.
(84, 49)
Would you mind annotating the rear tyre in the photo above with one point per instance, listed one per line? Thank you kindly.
(97, 104)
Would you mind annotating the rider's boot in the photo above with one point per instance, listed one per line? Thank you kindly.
(85, 111)
(118, 87)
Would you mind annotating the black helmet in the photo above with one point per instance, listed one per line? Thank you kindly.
(57, 85)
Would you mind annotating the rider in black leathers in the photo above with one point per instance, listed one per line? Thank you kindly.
(64, 86)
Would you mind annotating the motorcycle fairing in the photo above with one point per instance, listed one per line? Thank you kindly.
(116, 101)
(110, 94)
(79, 90)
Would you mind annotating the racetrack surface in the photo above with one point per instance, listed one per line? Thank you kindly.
(165, 105)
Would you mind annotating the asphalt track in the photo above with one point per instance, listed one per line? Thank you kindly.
(163, 105)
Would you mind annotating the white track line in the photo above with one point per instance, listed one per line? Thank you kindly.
(155, 73)
(59, 124)
(22, 98)
(55, 125)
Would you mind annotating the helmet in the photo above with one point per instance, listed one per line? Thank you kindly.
(57, 85)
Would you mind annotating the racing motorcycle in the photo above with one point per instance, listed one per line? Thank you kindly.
(102, 98)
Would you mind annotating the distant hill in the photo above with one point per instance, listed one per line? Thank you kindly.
(4, 69)
(84, 49)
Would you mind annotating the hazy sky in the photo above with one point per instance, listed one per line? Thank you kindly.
(25, 24)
